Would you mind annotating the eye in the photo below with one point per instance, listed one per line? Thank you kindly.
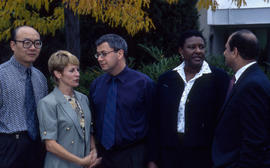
(38, 43)
(202, 47)
(191, 47)
(27, 42)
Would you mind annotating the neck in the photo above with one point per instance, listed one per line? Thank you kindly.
(120, 68)
(241, 64)
(66, 90)
(191, 70)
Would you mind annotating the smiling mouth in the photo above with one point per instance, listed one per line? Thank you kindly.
(197, 58)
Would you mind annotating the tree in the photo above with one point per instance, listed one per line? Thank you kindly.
(48, 16)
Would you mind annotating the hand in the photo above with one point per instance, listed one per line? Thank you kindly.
(96, 162)
(94, 159)
(152, 165)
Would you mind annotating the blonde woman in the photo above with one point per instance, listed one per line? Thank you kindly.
(64, 117)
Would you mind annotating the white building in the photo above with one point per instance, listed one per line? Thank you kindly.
(218, 25)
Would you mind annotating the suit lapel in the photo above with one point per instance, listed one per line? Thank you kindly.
(68, 109)
(245, 74)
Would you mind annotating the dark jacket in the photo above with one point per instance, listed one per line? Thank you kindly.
(242, 136)
(203, 103)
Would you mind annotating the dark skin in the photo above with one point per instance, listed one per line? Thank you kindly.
(193, 52)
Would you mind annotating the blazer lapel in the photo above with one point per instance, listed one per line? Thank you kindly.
(87, 117)
(68, 110)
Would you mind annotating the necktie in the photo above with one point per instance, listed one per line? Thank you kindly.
(30, 106)
(232, 81)
(108, 133)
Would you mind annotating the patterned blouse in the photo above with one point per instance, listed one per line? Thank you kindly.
(77, 108)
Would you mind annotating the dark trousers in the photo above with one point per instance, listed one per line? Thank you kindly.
(132, 156)
(182, 156)
(17, 150)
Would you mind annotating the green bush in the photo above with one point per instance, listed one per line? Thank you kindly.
(219, 62)
(161, 64)
(86, 78)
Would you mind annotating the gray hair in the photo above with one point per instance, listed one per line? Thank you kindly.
(115, 41)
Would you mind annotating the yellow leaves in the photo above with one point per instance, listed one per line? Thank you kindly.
(239, 3)
(214, 5)
(129, 14)
(172, 1)
(15, 13)
(125, 13)
(207, 3)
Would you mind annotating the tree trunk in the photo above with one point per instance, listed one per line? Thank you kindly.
(72, 32)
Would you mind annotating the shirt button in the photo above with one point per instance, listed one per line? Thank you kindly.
(187, 100)
(67, 128)
(203, 125)
(72, 142)
(44, 133)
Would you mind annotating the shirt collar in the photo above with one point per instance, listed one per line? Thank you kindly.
(121, 76)
(242, 70)
(19, 66)
(205, 69)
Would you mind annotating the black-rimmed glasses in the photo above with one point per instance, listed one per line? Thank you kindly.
(103, 54)
(28, 43)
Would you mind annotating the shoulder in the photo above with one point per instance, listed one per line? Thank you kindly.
(38, 74)
(5, 68)
(81, 95)
(49, 99)
(219, 74)
(217, 71)
(138, 75)
(168, 75)
(101, 78)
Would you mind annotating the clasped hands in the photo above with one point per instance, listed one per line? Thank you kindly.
(91, 160)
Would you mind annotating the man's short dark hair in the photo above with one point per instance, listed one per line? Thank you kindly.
(187, 34)
(115, 41)
(246, 43)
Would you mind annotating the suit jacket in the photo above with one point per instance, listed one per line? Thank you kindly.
(58, 121)
(242, 136)
(203, 103)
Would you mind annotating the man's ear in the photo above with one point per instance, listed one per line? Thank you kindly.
(12, 45)
(120, 53)
(235, 51)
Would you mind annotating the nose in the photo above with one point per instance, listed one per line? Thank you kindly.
(198, 49)
(32, 46)
(77, 73)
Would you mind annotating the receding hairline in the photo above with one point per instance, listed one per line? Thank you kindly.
(245, 34)
(20, 28)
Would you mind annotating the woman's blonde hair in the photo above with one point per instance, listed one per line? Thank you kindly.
(59, 60)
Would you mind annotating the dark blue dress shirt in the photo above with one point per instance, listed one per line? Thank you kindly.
(133, 104)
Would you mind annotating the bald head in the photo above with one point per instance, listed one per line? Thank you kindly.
(246, 43)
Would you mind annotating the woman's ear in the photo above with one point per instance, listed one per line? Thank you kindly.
(180, 50)
(57, 74)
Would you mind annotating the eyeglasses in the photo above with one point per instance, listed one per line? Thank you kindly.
(103, 54)
(29, 43)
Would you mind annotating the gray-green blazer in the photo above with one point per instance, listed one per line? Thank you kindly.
(58, 121)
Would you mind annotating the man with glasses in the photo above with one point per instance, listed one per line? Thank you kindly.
(121, 101)
(21, 87)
